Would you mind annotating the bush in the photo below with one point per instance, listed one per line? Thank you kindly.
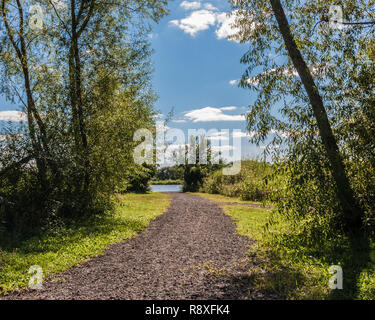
(139, 179)
(251, 183)
(193, 178)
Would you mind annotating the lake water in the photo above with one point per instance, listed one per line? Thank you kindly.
(166, 188)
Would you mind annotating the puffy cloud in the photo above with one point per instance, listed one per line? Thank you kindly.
(13, 116)
(225, 23)
(187, 5)
(211, 114)
(203, 19)
(197, 21)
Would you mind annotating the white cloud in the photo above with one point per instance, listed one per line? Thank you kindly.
(13, 116)
(316, 71)
(230, 108)
(211, 114)
(179, 121)
(225, 23)
(233, 82)
(219, 135)
(236, 134)
(203, 19)
(197, 21)
(209, 6)
(187, 5)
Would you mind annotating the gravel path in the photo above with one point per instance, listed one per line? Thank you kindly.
(190, 252)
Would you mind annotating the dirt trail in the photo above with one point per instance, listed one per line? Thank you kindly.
(190, 252)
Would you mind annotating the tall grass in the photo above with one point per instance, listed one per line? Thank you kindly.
(252, 183)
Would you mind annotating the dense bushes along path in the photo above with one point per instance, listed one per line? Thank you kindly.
(190, 252)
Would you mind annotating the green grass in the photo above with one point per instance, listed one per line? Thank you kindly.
(66, 248)
(222, 198)
(292, 270)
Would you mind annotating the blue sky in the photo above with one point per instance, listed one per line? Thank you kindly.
(196, 69)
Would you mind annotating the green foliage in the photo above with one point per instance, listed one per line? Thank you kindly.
(193, 177)
(139, 179)
(195, 173)
(170, 173)
(343, 69)
(63, 247)
(85, 93)
(293, 269)
(282, 105)
(252, 183)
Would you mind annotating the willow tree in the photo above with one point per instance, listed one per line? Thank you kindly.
(295, 66)
(18, 61)
(83, 70)
(102, 37)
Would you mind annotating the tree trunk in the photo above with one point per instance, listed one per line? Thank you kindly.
(352, 212)
(76, 85)
(32, 112)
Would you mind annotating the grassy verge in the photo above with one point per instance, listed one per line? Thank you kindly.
(294, 271)
(69, 247)
(223, 199)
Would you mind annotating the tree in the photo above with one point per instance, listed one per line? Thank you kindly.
(313, 63)
(13, 36)
(353, 214)
(83, 76)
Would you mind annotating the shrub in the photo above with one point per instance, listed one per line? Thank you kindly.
(250, 184)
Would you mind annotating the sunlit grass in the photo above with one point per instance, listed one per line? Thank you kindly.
(287, 268)
(221, 198)
(69, 247)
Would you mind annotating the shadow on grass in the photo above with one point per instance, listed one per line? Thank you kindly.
(256, 285)
(356, 258)
(57, 239)
(273, 277)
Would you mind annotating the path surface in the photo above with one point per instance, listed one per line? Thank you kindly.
(190, 252)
